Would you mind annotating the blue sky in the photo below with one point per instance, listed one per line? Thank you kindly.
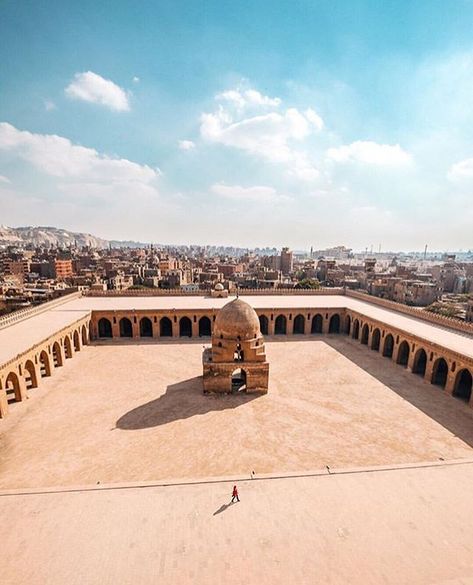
(248, 123)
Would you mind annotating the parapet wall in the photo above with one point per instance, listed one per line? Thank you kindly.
(22, 314)
(449, 322)
(176, 292)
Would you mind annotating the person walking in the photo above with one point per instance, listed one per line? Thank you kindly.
(235, 494)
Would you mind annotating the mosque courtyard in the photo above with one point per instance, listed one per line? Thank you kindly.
(136, 413)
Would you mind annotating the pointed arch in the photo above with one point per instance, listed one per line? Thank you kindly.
(76, 340)
(165, 327)
(57, 355)
(356, 329)
(205, 327)
(185, 327)
(239, 380)
(403, 354)
(376, 339)
(67, 347)
(12, 387)
(263, 324)
(126, 328)
(440, 373)
(334, 324)
(280, 325)
(146, 327)
(347, 324)
(365, 334)
(317, 324)
(44, 364)
(388, 347)
(298, 327)
(463, 385)
(31, 376)
(420, 362)
(104, 327)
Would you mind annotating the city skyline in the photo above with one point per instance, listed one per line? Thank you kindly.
(312, 123)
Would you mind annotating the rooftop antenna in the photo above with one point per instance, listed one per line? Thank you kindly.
(425, 252)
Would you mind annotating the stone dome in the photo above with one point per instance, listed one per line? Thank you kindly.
(237, 319)
(219, 286)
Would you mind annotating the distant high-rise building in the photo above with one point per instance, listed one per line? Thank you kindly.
(286, 261)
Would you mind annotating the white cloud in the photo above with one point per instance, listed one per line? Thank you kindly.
(49, 105)
(4, 179)
(59, 157)
(136, 79)
(256, 193)
(275, 136)
(461, 170)
(186, 144)
(370, 153)
(245, 98)
(90, 87)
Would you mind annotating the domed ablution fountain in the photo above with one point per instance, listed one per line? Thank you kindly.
(236, 362)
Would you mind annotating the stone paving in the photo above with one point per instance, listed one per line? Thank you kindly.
(403, 527)
(136, 412)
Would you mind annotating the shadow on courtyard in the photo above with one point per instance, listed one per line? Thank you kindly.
(182, 400)
(451, 413)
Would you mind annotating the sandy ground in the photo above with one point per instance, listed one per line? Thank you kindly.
(404, 527)
(119, 413)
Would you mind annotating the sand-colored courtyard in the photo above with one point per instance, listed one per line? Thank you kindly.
(136, 412)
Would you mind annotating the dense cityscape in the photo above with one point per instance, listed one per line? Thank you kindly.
(32, 272)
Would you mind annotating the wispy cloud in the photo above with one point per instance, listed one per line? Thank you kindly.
(370, 153)
(186, 144)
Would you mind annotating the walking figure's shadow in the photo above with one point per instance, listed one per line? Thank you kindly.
(223, 507)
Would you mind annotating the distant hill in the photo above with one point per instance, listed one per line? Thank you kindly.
(55, 237)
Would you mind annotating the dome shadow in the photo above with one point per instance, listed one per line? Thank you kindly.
(181, 401)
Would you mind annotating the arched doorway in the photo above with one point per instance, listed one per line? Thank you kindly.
(420, 362)
(376, 339)
(185, 327)
(403, 354)
(280, 325)
(105, 328)
(440, 373)
(365, 334)
(165, 327)
(463, 385)
(205, 327)
(239, 380)
(356, 329)
(126, 328)
(12, 388)
(57, 355)
(31, 379)
(334, 324)
(317, 324)
(388, 347)
(146, 327)
(67, 347)
(84, 334)
(298, 327)
(347, 324)
(263, 324)
(44, 365)
(76, 341)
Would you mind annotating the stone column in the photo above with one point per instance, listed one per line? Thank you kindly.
(115, 327)
(450, 385)
(395, 352)
(325, 323)
(135, 327)
(428, 370)
(307, 325)
(370, 338)
(271, 324)
(195, 327)
(3, 404)
(410, 361)
(175, 326)
(20, 394)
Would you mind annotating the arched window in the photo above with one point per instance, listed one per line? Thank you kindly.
(263, 324)
(440, 373)
(205, 327)
(388, 347)
(105, 328)
(463, 385)
(185, 327)
(403, 354)
(280, 325)
(126, 328)
(334, 324)
(298, 327)
(31, 378)
(239, 380)
(146, 327)
(420, 362)
(44, 364)
(317, 324)
(376, 339)
(165, 327)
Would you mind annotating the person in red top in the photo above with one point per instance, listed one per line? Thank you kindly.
(235, 494)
